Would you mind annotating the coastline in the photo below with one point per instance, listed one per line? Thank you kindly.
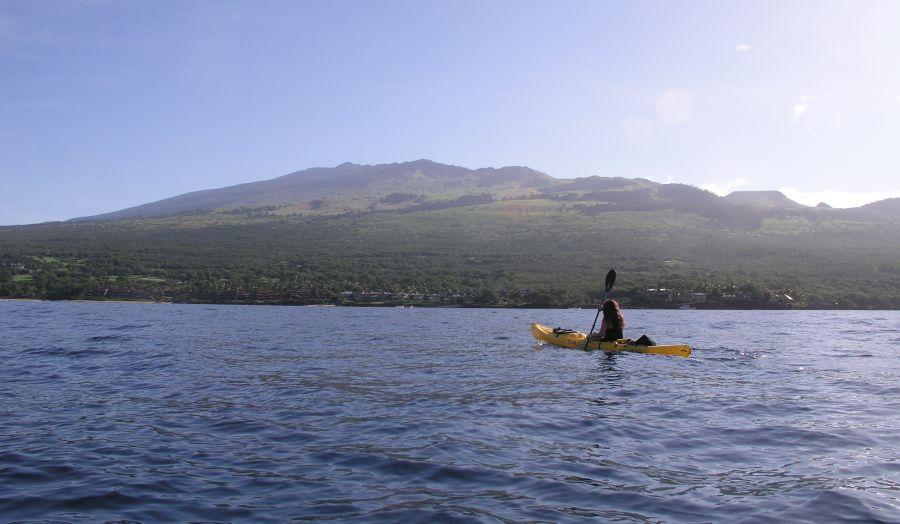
(429, 306)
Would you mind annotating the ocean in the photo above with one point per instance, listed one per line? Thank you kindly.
(135, 412)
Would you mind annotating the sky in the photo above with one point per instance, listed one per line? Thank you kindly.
(109, 104)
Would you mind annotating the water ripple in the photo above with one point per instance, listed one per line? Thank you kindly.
(148, 413)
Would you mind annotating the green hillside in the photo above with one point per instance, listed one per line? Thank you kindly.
(550, 248)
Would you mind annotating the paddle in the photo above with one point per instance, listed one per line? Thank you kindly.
(610, 280)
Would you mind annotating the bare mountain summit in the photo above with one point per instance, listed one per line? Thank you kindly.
(350, 186)
(764, 199)
(425, 185)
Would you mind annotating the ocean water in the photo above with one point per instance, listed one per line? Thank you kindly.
(188, 413)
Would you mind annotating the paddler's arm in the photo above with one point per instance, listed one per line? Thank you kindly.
(600, 332)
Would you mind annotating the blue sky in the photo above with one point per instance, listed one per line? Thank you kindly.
(110, 104)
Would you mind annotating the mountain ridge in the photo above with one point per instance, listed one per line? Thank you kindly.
(769, 199)
(353, 185)
(418, 184)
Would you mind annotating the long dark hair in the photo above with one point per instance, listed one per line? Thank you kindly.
(612, 314)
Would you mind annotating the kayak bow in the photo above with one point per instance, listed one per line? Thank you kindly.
(576, 339)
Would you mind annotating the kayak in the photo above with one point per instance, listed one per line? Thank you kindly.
(575, 339)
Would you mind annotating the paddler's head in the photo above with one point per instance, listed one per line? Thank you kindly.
(612, 313)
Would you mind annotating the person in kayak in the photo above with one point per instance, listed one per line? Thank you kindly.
(612, 327)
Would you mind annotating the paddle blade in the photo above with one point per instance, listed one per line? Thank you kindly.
(610, 279)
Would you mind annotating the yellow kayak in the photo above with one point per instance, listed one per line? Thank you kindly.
(575, 339)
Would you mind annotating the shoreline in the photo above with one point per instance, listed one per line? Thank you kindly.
(419, 306)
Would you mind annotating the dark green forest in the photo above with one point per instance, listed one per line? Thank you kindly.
(547, 250)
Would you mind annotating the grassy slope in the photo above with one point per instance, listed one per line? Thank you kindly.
(539, 244)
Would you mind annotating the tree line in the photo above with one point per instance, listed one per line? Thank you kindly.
(525, 253)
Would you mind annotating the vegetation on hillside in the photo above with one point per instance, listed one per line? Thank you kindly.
(548, 249)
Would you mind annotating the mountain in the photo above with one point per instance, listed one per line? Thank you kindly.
(887, 209)
(763, 199)
(505, 236)
(427, 185)
(349, 187)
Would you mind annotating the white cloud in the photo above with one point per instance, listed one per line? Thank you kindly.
(638, 130)
(726, 187)
(659, 178)
(802, 107)
(675, 106)
(840, 199)
(741, 48)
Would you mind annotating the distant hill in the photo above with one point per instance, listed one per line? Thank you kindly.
(419, 185)
(888, 209)
(423, 185)
(764, 199)
(349, 187)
